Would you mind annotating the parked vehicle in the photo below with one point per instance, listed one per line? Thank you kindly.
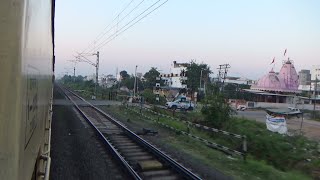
(181, 103)
(241, 107)
(295, 110)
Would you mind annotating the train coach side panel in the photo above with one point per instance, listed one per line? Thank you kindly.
(10, 88)
(26, 84)
(37, 78)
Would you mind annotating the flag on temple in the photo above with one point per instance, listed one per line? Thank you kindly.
(273, 60)
(285, 52)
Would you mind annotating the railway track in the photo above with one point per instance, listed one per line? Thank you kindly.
(138, 158)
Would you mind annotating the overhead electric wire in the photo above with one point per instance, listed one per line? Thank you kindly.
(116, 34)
(93, 42)
(117, 17)
(104, 32)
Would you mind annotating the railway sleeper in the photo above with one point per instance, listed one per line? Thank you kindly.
(150, 165)
(119, 137)
(171, 177)
(123, 151)
(159, 173)
(119, 141)
(123, 143)
(111, 134)
(139, 158)
(121, 147)
(140, 153)
(107, 131)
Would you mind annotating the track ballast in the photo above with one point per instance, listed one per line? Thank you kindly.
(140, 159)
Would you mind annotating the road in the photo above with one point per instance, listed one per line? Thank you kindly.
(310, 128)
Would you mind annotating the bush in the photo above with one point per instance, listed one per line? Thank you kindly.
(217, 111)
(282, 151)
(150, 97)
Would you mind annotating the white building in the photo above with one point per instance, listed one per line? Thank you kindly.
(304, 77)
(177, 76)
(313, 88)
(107, 81)
(91, 77)
(315, 72)
(238, 80)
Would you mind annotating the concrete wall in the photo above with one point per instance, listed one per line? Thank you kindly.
(281, 105)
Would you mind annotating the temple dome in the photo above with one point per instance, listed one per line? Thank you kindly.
(270, 82)
(286, 81)
(289, 75)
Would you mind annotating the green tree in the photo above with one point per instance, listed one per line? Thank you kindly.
(149, 96)
(235, 91)
(129, 83)
(150, 78)
(124, 74)
(194, 73)
(217, 111)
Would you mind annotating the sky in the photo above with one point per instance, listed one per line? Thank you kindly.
(246, 34)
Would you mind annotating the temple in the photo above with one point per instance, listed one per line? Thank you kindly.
(279, 87)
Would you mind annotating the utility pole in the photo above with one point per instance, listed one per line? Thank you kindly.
(315, 93)
(97, 73)
(223, 71)
(74, 68)
(74, 73)
(96, 65)
(200, 79)
(135, 82)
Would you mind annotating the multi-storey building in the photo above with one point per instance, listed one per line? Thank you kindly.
(304, 77)
(315, 72)
(177, 77)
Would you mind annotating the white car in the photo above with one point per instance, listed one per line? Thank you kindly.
(180, 104)
(295, 110)
(241, 107)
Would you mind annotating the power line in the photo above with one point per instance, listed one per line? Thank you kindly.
(106, 41)
(104, 32)
(115, 34)
(223, 71)
(117, 17)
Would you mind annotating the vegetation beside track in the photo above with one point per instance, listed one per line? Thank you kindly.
(282, 156)
(271, 156)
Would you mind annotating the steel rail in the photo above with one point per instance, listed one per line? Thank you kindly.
(114, 152)
(171, 162)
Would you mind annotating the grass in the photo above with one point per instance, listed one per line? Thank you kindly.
(224, 140)
(283, 152)
(239, 169)
(263, 148)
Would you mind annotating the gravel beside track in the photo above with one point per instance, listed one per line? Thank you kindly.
(75, 151)
(139, 158)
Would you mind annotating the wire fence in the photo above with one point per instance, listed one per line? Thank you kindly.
(220, 147)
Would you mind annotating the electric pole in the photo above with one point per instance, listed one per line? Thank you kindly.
(135, 82)
(223, 71)
(96, 65)
(74, 68)
(315, 93)
(200, 79)
(97, 73)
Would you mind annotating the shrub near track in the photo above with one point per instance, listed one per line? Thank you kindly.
(235, 166)
(283, 152)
